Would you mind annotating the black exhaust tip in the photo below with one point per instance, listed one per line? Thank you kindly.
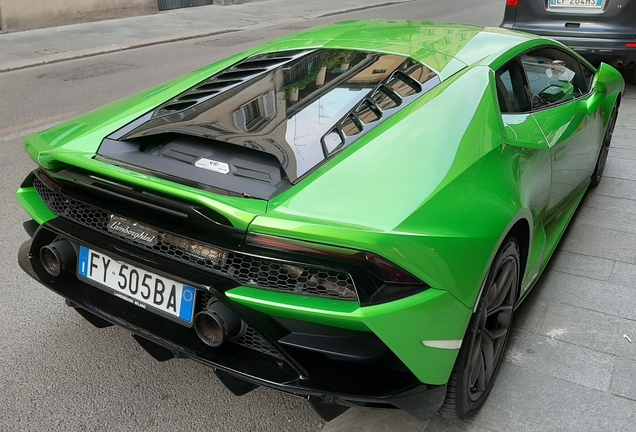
(58, 257)
(217, 323)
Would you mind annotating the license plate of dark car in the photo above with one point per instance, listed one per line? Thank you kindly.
(135, 285)
(577, 3)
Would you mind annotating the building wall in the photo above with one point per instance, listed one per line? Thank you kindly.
(31, 14)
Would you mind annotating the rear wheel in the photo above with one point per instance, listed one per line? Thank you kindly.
(483, 346)
(602, 156)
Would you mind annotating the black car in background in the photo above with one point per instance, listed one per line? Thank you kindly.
(600, 30)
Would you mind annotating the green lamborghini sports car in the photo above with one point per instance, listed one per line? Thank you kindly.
(350, 214)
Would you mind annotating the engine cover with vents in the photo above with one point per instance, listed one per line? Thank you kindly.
(259, 126)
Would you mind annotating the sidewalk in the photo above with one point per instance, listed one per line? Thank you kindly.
(35, 47)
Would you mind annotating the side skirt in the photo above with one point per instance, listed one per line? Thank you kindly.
(554, 230)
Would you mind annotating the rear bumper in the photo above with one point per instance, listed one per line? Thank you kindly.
(331, 385)
(597, 49)
(607, 50)
(592, 48)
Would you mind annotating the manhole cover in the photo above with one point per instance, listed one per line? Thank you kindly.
(50, 51)
(88, 71)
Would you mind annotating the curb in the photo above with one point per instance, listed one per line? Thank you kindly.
(92, 52)
(357, 9)
(62, 57)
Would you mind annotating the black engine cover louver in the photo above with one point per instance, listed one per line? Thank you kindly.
(235, 76)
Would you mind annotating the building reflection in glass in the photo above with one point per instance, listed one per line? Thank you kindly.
(287, 104)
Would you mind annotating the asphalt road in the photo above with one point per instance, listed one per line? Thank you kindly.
(57, 372)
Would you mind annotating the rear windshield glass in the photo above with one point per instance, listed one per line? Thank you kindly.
(299, 106)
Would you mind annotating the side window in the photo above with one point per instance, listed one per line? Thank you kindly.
(588, 74)
(511, 90)
(554, 77)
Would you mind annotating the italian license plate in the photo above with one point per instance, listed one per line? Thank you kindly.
(140, 287)
(577, 3)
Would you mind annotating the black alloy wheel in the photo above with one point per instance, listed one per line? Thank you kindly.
(602, 156)
(483, 346)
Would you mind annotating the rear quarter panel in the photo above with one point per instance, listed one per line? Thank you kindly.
(433, 189)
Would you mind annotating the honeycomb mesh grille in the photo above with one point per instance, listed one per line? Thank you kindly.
(249, 339)
(252, 340)
(246, 269)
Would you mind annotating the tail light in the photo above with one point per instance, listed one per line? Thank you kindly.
(512, 3)
(631, 45)
(376, 279)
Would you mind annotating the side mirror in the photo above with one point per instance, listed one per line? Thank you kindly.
(608, 80)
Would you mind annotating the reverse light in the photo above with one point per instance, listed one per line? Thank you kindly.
(512, 3)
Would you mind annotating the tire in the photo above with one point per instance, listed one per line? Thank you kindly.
(483, 346)
(602, 156)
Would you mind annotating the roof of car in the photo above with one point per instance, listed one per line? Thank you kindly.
(438, 45)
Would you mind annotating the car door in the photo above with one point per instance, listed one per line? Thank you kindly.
(560, 90)
(521, 130)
